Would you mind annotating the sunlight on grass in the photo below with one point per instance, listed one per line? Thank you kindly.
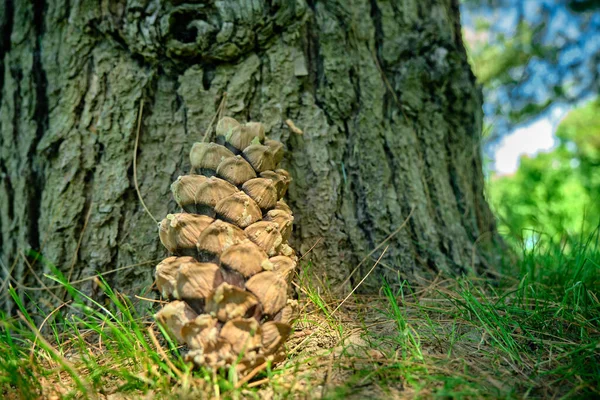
(534, 332)
(407, 338)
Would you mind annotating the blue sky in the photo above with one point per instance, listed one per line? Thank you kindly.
(528, 139)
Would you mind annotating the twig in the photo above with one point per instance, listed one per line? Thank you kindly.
(100, 336)
(61, 360)
(391, 235)
(309, 250)
(89, 278)
(150, 300)
(216, 385)
(163, 355)
(42, 325)
(258, 383)
(37, 278)
(343, 301)
(222, 106)
(220, 110)
(363, 279)
(8, 273)
(74, 260)
(251, 374)
(293, 127)
(135, 149)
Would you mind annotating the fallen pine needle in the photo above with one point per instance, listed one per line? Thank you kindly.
(251, 375)
(135, 150)
(163, 355)
(293, 127)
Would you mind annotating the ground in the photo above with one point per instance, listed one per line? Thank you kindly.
(533, 333)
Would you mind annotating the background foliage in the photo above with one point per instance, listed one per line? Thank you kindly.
(555, 193)
(530, 57)
(533, 333)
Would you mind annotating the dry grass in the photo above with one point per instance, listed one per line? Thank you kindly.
(534, 333)
(453, 338)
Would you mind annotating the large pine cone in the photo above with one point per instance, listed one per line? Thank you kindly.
(228, 279)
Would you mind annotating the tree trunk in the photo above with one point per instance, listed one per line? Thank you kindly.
(388, 106)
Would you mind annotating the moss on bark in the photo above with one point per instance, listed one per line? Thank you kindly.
(390, 111)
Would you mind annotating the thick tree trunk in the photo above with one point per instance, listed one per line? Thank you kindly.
(382, 90)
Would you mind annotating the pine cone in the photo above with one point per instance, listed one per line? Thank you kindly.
(228, 279)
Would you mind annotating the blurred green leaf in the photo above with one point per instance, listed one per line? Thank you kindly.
(494, 61)
(555, 193)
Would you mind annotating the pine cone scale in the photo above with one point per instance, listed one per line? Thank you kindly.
(231, 267)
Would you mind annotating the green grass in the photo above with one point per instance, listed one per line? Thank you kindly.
(535, 333)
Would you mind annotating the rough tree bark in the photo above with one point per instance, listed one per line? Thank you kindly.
(390, 111)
